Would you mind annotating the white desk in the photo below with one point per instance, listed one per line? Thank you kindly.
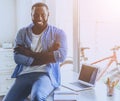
(99, 93)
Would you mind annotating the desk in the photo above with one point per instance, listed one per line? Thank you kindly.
(99, 93)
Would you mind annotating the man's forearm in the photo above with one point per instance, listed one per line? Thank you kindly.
(38, 55)
(45, 58)
(40, 58)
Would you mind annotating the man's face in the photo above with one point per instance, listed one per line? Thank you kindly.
(40, 16)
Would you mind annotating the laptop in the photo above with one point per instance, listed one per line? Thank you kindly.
(86, 78)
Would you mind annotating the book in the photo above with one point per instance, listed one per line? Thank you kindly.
(64, 94)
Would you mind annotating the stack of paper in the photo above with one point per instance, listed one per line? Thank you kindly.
(64, 94)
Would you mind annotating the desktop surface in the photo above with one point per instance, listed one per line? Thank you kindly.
(98, 93)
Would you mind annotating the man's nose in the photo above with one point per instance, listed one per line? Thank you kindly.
(40, 17)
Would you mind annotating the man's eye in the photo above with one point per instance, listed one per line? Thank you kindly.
(36, 15)
(43, 15)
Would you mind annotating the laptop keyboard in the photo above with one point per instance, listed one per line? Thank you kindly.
(78, 84)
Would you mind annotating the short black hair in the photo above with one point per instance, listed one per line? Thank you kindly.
(39, 4)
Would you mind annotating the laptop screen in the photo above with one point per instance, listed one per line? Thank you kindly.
(88, 73)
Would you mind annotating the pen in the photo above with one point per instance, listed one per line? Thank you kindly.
(108, 82)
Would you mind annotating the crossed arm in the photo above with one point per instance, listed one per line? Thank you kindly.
(40, 58)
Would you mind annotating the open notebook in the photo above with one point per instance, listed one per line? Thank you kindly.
(86, 79)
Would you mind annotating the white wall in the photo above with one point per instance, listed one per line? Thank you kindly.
(7, 21)
(23, 13)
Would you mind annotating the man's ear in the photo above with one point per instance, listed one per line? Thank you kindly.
(48, 14)
(31, 16)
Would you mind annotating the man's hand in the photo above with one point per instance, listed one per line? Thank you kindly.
(45, 57)
(55, 46)
(23, 50)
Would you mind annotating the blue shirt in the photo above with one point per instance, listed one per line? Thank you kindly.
(50, 36)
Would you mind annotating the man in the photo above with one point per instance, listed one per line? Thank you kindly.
(38, 50)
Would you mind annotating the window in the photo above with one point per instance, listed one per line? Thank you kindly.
(99, 31)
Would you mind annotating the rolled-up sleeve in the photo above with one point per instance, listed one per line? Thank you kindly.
(61, 53)
(19, 58)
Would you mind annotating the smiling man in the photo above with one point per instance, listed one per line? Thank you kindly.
(39, 48)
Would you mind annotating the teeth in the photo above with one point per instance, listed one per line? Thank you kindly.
(40, 22)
